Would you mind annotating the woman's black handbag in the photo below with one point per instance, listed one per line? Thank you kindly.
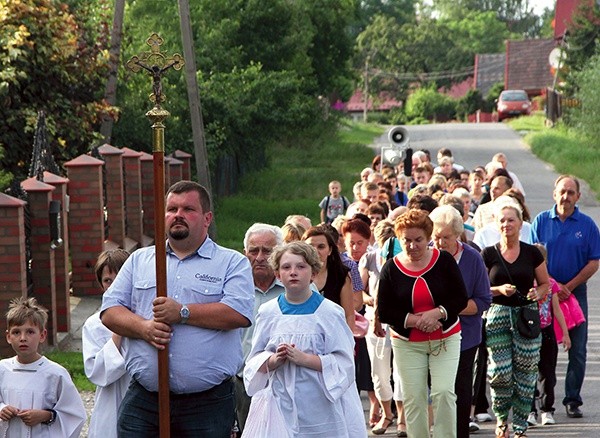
(528, 322)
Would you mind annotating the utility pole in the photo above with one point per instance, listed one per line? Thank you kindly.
(193, 96)
(366, 90)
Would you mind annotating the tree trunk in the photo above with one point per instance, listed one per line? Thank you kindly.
(110, 95)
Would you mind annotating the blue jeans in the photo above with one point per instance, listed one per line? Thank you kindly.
(203, 414)
(577, 353)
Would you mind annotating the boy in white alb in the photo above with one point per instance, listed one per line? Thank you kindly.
(104, 355)
(37, 396)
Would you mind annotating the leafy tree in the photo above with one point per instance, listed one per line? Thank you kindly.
(261, 67)
(469, 103)
(401, 11)
(489, 102)
(586, 117)
(54, 60)
(427, 103)
(479, 32)
(583, 39)
(518, 15)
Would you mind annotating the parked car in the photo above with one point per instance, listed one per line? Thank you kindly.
(512, 103)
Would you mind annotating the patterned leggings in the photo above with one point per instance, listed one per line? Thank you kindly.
(513, 365)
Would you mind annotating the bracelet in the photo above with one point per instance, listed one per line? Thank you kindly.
(52, 419)
(443, 312)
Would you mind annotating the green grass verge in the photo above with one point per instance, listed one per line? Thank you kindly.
(73, 362)
(564, 148)
(295, 181)
(532, 123)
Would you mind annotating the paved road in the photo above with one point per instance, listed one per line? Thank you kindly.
(473, 145)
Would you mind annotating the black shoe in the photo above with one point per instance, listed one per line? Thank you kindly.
(573, 411)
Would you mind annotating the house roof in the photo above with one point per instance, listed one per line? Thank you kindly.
(459, 89)
(384, 102)
(489, 69)
(527, 66)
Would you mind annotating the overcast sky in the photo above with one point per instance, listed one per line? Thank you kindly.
(539, 5)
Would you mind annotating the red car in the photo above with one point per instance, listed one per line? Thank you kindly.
(513, 103)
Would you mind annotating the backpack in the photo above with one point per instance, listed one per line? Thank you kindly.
(344, 202)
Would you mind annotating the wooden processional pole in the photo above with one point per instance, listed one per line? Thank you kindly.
(156, 64)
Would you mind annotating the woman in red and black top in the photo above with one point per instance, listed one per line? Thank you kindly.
(421, 293)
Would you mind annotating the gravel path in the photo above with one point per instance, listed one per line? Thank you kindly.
(88, 402)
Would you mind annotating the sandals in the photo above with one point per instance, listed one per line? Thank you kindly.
(374, 419)
(387, 422)
(502, 431)
(401, 430)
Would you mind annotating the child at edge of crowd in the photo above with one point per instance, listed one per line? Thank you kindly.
(37, 396)
(104, 355)
(549, 308)
(302, 343)
(333, 205)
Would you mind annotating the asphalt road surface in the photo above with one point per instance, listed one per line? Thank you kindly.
(475, 144)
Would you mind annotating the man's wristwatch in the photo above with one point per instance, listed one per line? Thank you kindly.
(184, 313)
(52, 418)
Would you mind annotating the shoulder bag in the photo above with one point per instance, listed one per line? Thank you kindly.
(528, 321)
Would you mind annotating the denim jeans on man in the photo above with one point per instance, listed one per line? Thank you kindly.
(204, 414)
(577, 353)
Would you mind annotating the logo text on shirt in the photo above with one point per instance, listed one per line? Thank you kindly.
(208, 278)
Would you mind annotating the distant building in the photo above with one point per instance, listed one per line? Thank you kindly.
(527, 66)
(489, 70)
(356, 105)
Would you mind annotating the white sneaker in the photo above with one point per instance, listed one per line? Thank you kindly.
(483, 418)
(547, 418)
(532, 420)
(473, 427)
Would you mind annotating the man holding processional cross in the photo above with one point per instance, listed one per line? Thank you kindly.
(183, 303)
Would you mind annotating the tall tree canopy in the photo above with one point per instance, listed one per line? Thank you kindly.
(52, 58)
(262, 66)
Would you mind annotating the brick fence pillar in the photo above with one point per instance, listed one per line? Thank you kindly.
(61, 254)
(186, 170)
(86, 221)
(133, 198)
(42, 255)
(115, 198)
(147, 169)
(13, 272)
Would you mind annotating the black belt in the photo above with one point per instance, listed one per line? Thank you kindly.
(187, 395)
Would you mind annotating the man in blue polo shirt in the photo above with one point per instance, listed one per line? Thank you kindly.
(573, 244)
(210, 298)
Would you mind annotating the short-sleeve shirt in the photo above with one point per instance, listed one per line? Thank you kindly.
(199, 358)
(570, 244)
(335, 207)
(522, 272)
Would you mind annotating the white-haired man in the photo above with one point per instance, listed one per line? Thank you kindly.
(259, 241)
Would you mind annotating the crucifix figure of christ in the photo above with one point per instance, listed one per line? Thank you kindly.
(156, 64)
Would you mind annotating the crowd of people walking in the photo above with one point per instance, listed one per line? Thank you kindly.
(418, 290)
